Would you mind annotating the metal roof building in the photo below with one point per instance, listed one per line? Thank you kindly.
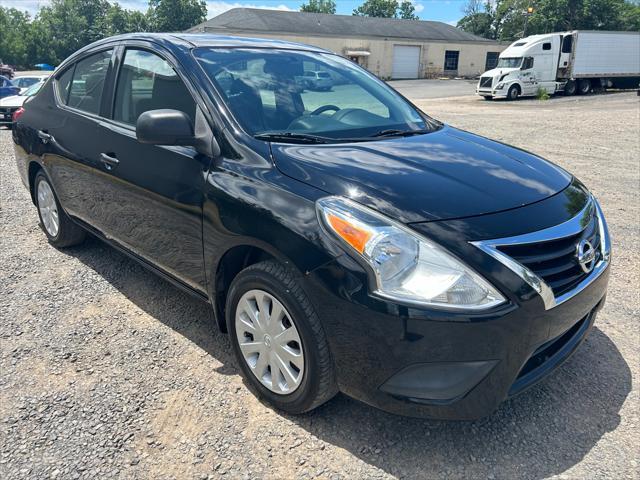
(390, 48)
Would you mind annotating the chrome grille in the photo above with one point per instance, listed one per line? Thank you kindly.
(548, 260)
(556, 261)
(486, 82)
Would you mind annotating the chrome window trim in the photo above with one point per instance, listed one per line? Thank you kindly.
(566, 229)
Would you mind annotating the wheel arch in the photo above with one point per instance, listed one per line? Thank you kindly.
(34, 168)
(235, 259)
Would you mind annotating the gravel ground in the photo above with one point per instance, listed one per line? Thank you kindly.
(108, 371)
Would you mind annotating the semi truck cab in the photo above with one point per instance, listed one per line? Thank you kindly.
(524, 67)
(568, 62)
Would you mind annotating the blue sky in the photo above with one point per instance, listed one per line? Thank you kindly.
(448, 11)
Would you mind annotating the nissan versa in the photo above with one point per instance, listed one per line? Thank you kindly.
(344, 239)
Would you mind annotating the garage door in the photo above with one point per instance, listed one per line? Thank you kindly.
(406, 61)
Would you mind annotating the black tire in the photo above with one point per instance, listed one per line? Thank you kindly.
(487, 97)
(318, 384)
(69, 234)
(570, 88)
(584, 86)
(513, 93)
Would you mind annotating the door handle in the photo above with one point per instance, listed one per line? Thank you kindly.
(109, 161)
(44, 136)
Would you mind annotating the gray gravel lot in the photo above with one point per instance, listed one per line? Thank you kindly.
(108, 371)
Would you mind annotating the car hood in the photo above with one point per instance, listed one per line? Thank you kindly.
(441, 175)
(499, 71)
(12, 101)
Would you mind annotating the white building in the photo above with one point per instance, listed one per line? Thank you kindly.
(390, 48)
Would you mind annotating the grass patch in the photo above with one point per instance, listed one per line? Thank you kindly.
(542, 94)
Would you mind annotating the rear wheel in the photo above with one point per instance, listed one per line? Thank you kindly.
(570, 88)
(57, 226)
(584, 86)
(514, 92)
(278, 340)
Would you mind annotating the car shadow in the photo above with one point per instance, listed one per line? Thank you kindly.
(542, 432)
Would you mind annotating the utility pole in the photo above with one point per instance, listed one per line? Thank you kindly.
(527, 14)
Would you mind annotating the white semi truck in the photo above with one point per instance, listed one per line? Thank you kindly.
(568, 62)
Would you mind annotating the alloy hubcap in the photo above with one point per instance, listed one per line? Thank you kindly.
(48, 208)
(269, 341)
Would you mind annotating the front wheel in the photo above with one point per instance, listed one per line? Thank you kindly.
(514, 92)
(278, 339)
(61, 232)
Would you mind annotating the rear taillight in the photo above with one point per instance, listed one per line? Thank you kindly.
(17, 114)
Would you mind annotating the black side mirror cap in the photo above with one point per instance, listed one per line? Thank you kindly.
(165, 127)
(173, 127)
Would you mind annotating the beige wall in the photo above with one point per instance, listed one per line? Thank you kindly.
(471, 61)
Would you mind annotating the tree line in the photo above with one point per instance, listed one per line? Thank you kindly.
(512, 19)
(64, 26)
(370, 8)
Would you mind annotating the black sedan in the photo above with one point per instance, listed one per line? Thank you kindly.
(345, 240)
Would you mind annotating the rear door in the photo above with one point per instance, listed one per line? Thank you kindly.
(71, 134)
(154, 201)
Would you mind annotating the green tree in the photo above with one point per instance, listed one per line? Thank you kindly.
(505, 19)
(407, 11)
(378, 8)
(478, 18)
(319, 6)
(176, 15)
(120, 20)
(13, 45)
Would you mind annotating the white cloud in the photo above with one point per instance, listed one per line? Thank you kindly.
(216, 8)
(452, 22)
(418, 6)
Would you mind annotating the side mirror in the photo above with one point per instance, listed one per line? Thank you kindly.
(165, 127)
(173, 127)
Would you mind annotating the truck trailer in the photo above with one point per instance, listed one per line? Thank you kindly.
(564, 62)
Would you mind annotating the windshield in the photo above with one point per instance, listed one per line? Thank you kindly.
(509, 62)
(270, 91)
(33, 89)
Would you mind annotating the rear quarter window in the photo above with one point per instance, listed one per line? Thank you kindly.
(62, 84)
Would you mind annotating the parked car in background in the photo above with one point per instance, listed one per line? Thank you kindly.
(6, 70)
(345, 242)
(318, 81)
(26, 81)
(10, 105)
(7, 88)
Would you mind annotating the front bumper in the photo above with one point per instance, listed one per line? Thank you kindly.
(492, 92)
(443, 364)
(424, 364)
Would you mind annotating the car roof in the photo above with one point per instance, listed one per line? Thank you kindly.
(211, 40)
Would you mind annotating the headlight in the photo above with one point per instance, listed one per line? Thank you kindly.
(408, 268)
(499, 87)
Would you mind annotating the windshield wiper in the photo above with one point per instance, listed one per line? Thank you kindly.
(392, 132)
(291, 137)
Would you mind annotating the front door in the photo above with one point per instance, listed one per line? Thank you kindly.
(155, 205)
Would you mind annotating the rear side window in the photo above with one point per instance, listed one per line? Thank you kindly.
(546, 46)
(62, 84)
(148, 82)
(88, 82)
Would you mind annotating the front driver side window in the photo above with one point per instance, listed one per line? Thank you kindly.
(528, 63)
(148, 82)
